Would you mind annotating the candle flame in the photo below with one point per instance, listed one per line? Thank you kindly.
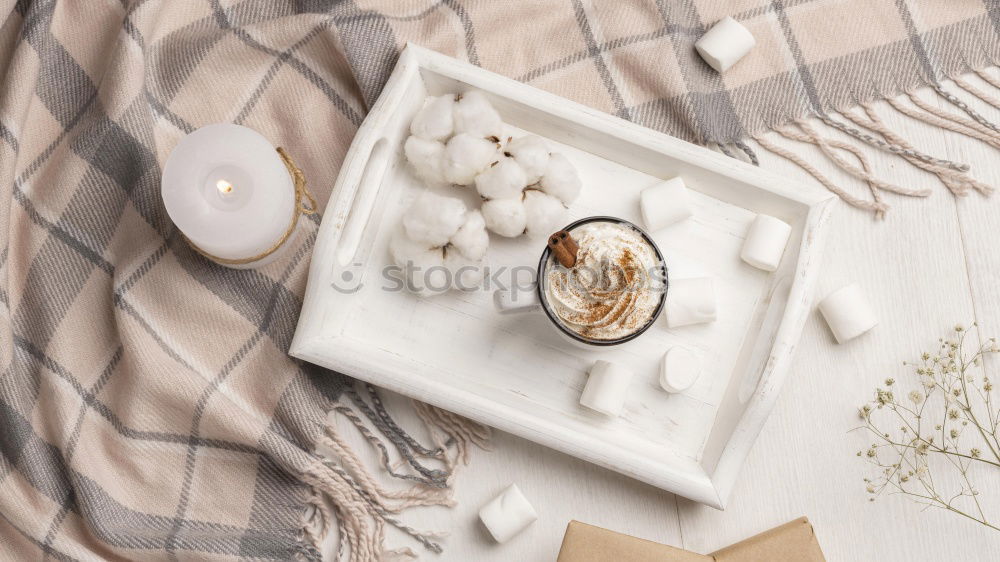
(224, 187)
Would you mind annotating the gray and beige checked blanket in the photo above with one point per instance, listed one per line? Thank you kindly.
(148, 408)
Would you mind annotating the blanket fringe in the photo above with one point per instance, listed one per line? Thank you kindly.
(877, 207)
(981, 125)
(751, 156)
(956, 181)
(869, 128)
(989, 79)
(362, 506)
(968, 87)
(461, 431)
(748, 151)
(827, 145)
(943, 123)
(975, 115)
(891, 147)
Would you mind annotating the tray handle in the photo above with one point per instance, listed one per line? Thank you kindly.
(364, 202)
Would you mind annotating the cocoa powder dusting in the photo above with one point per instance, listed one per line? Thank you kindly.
(607, 293)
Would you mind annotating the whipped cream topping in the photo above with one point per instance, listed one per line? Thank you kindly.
(615, 287)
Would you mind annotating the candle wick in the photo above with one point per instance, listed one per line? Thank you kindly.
(224, 187)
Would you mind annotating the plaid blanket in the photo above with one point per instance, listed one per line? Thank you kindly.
(148, 409)
(636, 59)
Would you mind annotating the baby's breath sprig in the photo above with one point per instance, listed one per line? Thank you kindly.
(949, 422)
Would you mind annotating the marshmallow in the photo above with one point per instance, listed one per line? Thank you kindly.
(725, 44)
(507, 514)
(664, 204)
(765, 242)
(690, 301)
(606, 388)
(679, 369)
(848, 313)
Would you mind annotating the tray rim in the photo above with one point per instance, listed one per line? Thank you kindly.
(698, 484)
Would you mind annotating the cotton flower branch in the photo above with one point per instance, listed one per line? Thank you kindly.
(948, 425)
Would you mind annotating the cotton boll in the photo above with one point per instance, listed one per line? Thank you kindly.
(561, 180)
(433, 218)
(423, 265)
(532, 154)
(474, 115)
(502, 180)
(435, 121)
(472, 240)
(465, 274)
(545, 214)
(465, 156)
(406, 251)
(426, 157)
(506, 217)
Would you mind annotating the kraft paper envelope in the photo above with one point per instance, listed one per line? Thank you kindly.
(792, 542)
(587, 543)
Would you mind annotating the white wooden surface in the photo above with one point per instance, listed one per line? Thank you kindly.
(931, 263)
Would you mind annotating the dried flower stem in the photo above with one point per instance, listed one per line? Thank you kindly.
(907, 458)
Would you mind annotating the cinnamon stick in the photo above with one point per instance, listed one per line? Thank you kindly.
(564, 248)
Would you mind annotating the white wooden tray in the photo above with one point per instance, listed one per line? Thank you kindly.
(515, 373)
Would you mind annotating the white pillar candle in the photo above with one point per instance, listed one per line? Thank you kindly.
(664, 204)
(848, 313)
(228, 190)
(690, 301)
(725, 44)
(765, 242)
(606, 388)
(507, 514)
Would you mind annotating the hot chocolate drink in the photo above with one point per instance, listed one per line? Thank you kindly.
(614, 289)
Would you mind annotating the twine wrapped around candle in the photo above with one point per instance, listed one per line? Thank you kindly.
(305, 204)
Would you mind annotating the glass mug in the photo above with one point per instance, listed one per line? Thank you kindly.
(509, 302)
